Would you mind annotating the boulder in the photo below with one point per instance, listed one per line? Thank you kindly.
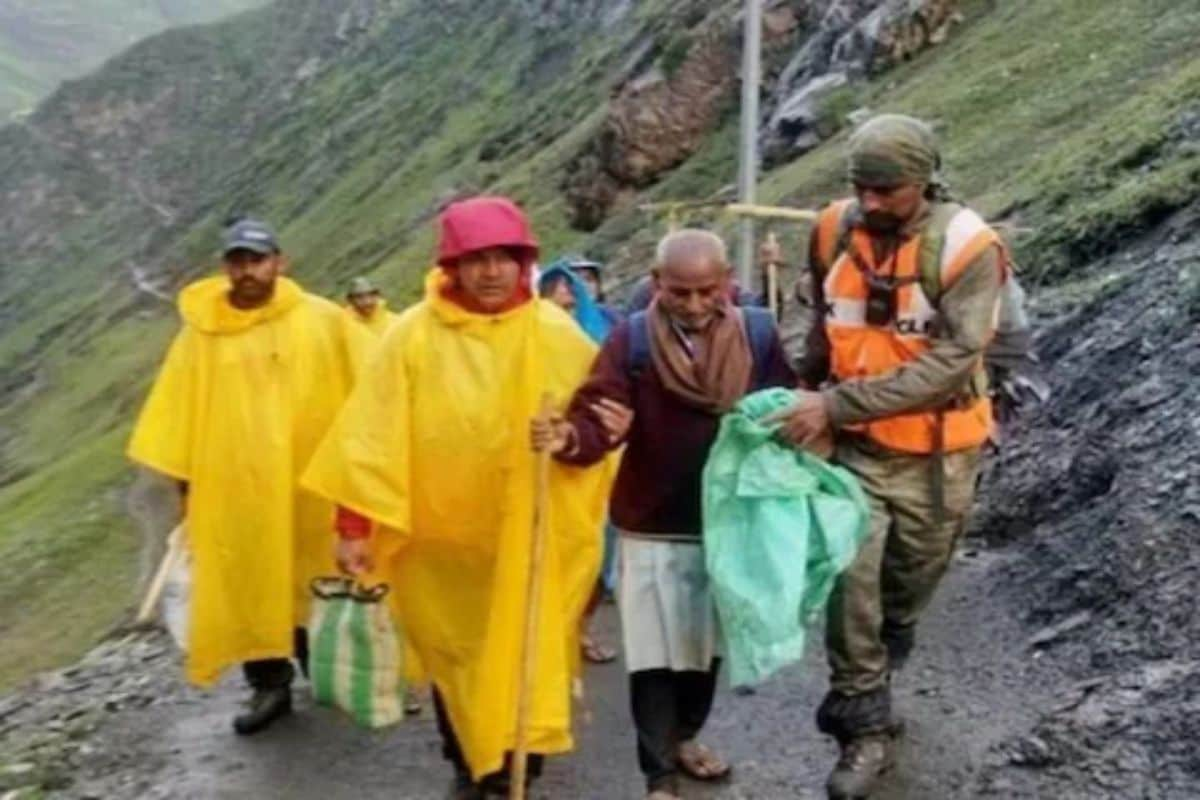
(850, 40)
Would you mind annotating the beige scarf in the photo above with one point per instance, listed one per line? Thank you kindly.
(709, 370)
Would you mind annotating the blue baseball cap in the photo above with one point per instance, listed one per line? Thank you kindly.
(250, 234)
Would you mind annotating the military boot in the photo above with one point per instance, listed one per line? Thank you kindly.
(863, 761)
(265, 706)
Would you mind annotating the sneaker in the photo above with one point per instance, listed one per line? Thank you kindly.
(265, 706)
(863, 761)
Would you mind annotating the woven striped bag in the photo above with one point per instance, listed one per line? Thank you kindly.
(355, 659)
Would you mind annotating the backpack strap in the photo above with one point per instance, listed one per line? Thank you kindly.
(639, 345)
(760, 332)
(934, 275)
(933, 242)
(832, 232)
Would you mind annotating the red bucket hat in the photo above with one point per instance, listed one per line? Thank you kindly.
(482, 222)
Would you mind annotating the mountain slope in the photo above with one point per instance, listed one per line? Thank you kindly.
(45, 42)
(347, 124)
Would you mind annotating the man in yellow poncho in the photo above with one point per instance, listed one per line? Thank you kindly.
(431, 465)
(249, 387)
(365, 306)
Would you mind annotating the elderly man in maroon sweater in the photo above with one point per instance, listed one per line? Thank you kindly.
(673, 370)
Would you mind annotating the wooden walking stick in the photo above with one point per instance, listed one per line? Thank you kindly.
(533, 608)
(773, 279)
(174, 552)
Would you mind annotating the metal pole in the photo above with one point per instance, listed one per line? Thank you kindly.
(748, 170)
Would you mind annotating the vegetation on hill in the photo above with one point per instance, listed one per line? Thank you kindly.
(45, 42)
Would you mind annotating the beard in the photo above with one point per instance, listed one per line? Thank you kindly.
(250, 288)
(882, 222)
(249, 293)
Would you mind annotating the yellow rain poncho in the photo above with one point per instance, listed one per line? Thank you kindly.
(433, 445)
(240, 404)
(373, 326)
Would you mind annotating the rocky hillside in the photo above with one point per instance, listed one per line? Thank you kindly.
(43, 43)
(347, 123)
(1099, 494)
(666, 110)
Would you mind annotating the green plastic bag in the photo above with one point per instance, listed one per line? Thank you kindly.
(779, 526)
(355, 659)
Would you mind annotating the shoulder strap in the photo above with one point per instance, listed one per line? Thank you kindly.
(639, 345)
(833, 232)
(760, 330)
(933, 242)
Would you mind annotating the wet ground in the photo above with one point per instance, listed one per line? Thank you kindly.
(973, 683)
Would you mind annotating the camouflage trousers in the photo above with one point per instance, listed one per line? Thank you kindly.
(875, 605)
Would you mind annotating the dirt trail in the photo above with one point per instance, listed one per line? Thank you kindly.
(972, 684)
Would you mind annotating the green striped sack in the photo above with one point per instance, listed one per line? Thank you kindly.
(355, 659)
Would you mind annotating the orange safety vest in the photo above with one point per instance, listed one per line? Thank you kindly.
(859, 349)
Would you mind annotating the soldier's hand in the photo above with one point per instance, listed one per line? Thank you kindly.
(616, 418)
(354, 556)
(550, 435)
(803, 423)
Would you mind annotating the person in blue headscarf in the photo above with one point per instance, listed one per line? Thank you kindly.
(591, 273)
(573, 283)
(564, 286)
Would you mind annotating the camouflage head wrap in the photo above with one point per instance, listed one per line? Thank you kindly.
(893, 150)
(361, 286)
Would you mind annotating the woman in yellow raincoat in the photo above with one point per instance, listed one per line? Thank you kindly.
(431, 460)
(249, 387)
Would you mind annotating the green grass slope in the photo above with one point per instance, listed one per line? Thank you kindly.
(1069, 118)
(48, 41)
(1077, 121)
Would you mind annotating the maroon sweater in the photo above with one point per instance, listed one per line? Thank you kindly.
(658, 486)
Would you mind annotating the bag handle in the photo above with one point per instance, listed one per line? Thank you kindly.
(338, 586)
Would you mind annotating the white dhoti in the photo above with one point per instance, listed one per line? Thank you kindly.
(667, 613)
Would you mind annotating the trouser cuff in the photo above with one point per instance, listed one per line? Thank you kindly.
(271, 673)
(667, 782)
